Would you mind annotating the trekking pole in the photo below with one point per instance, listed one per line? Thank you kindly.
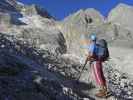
(83, 68)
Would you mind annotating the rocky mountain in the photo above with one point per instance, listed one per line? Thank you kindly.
(88, 20)
(41, 58)
(121, 15)
(27, 49)
(82, 23)
(35, 10)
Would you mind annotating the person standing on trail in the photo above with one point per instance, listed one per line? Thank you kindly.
(96, 65)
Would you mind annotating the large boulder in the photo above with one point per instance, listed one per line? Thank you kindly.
(42, 35)
(38, 29)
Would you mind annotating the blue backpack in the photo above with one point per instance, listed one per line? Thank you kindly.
(102, 52)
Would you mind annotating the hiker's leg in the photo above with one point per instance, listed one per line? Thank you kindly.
(101, 74)
(101, 79)
(98, 73)
(95, 73)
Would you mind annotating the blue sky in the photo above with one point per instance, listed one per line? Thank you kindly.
(62, 8)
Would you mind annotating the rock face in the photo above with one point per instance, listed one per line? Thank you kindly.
(23, 73)
(115, 29)
(30, 29)
(121, 15)
(25, 50)
(35, 10)
(80, 23)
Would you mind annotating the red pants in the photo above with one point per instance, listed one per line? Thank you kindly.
(98, 73)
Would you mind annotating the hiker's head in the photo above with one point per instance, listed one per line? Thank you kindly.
(93, 37)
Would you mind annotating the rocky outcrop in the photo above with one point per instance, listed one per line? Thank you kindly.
(121, 15)
(83, 22)
(77, 27)
(24, 72)
(35, 10)
(25, 49)
(46, 37)
(30, 29)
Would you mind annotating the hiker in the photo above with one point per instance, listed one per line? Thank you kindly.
(96, 65)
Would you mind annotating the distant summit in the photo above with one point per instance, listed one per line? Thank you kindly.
(89, 15)
(117, 27)
(122, 15)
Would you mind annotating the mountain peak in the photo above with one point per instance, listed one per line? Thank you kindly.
(123, 5)
(91, 10)
(88, 14)
(122, 15)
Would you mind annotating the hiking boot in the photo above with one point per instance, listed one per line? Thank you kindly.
(103, 94)
(102, 90)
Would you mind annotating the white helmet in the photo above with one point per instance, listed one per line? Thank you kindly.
(93, 37)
